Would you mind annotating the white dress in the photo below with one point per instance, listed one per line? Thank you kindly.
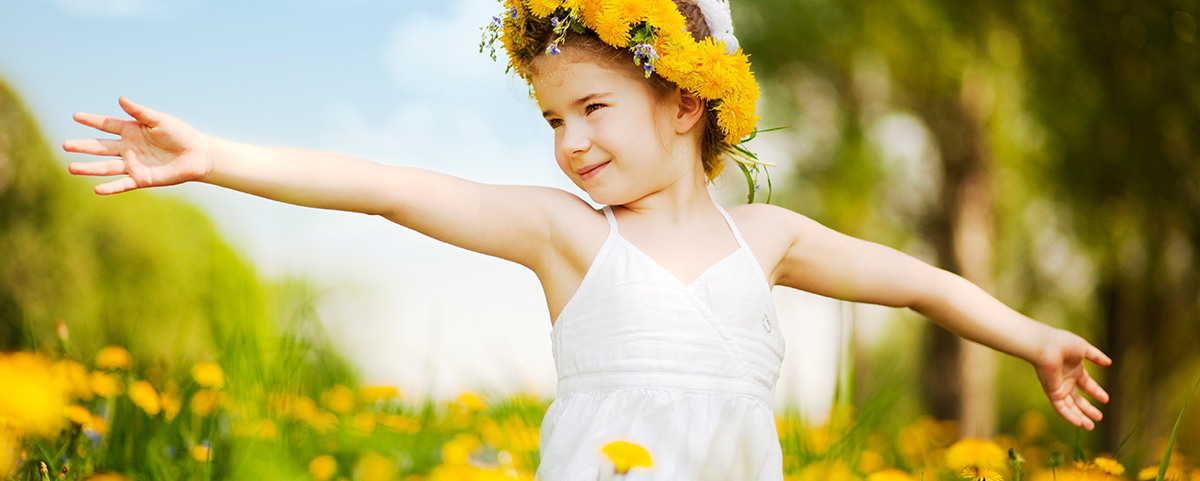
(687, 372)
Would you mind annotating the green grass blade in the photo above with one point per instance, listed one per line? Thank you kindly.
(1128, 436)
(749, 182)
(1162, 467)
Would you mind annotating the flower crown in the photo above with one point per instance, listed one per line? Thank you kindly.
(656, 33)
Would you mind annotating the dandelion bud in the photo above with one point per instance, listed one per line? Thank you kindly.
(45, 471)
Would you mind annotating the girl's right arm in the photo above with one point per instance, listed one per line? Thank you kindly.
(511, 222)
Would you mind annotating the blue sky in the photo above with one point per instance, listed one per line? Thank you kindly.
(397, 82)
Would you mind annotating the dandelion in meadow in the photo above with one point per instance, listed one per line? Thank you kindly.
(146, 397)
(975, 453)
(322, 468)
(114, 357)
(208, 374)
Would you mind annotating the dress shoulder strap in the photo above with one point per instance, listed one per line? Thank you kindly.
(612, 219)
(733, 227)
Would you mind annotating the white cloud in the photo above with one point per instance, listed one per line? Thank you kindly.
(125, 8)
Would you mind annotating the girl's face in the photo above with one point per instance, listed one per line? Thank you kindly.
(612, 133)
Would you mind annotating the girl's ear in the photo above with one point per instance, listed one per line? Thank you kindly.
(691, 110)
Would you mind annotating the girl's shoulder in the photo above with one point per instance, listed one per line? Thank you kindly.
(769, 230)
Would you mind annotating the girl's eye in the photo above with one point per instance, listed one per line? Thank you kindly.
(593, 107)
(555, 123)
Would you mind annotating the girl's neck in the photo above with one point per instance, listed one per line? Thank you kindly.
(680, 201)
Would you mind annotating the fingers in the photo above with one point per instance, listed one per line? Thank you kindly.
(147, 117)
(1088, 409)
(1070, 409)
(1092, 388)
(101, 122)
(108, 147)
(106, 167)
(118, 186)
(1097, 356)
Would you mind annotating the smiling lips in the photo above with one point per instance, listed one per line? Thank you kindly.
(590, 171)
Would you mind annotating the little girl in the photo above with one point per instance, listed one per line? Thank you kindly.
(663, 328)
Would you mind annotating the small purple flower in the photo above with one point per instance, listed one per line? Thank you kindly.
(170, 450)
(512, 12)
(93, 436)
(554, 23)
(497, 22)
(648, 66)
(553, 49)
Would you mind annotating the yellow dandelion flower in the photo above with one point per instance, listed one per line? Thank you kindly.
(171, 404)
(457, 450)
(107, 477)
(1151, 472)
(322, 468)
(870, 461)
(827, 471)
(400, 423)
(374, 467)
(113, 357)
(975, 453)
(890, 474)
(304, 408)
(610, 27)
(666, 17)
(543, 8)
(470, 401)
(99, 425)
(32, 400)
(76, 377)
(981, 474)
(373, 394)
(202, 453)
(1031, 426)
(364, 423)
(322, 422)
(626, 456)
(145, 396)
(631, 12)
(339, 399)
(1110, 465)
(203, 402)
(208, 374)
(79, 415)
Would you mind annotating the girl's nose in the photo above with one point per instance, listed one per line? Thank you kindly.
(576, 140)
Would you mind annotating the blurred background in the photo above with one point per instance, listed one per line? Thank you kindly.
(1048, 151)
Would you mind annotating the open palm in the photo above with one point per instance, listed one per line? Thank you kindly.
(155, 150)
(1061, 372)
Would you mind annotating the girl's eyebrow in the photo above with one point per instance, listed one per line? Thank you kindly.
(585, 99)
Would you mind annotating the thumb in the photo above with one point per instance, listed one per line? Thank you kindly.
(148, 117)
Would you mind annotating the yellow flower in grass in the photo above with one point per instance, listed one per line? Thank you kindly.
(143, 394)
(322, 468)
(113, 357)
(981, 474)
(106, 477)
(975, 453)
(890, 474)
(457, 450)
(32, 399)
(79, 415)
(364, 423)
(470, 401)
(202, 453)
(374, 467)
(626, 456)
(171, 404)
(203, 402)
(400, 423)
(339, 399)
(323, 421)
(374, 394)
(208, 374)
(1151, 472)
(76, 377)
(1109, 465)
(105, 385)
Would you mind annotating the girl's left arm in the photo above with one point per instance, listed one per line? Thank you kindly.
(825, 262)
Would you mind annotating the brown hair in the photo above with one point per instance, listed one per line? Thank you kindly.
(590, 45)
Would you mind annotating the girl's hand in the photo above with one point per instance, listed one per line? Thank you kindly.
(1060, 369)
(155, 150)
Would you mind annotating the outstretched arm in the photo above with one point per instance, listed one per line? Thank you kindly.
(155, 149)
(828, 263)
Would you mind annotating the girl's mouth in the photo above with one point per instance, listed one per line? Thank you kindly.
(591, 171)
